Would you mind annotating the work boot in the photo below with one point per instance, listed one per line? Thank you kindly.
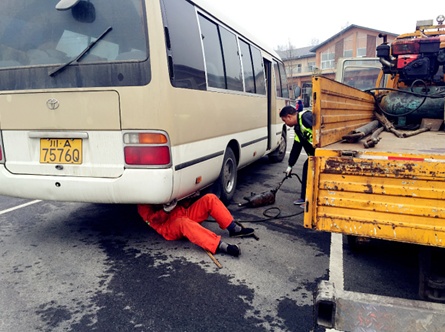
(242, 232)
(231, 249)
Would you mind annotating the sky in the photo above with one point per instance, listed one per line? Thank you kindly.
(300, 23)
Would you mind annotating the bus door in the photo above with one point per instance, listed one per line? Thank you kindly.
(267, 73)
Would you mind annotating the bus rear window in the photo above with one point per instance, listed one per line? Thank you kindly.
(36, 39)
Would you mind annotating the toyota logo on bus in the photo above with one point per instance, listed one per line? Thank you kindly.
(52, 104)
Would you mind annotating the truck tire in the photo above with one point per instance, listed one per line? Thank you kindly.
(357, 243)
(432, 274)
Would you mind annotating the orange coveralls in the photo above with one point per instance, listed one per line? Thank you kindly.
(185, 221)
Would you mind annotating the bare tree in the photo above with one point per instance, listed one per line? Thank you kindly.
(315, 41)
(288, 52)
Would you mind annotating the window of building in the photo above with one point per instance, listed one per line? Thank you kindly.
(311, 66)
(361, 51)
(348, 47)
(362, 40)
(328, 59)
(347, 54)
(298, 68)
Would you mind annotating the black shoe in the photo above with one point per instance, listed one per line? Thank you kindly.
(242, 233)
(233, 250)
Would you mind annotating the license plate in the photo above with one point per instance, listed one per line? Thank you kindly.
(61, 150)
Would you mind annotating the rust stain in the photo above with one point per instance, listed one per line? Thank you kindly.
(333, 187)
(369, 189)
(350, 166)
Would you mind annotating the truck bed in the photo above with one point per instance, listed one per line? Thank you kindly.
(393, 191)
(427, 143)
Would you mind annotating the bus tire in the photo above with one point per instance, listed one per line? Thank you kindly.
(226, 182)
(278, 155)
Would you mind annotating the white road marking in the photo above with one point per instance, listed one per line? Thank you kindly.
(19, 207)
(336, 264)
(336, 261)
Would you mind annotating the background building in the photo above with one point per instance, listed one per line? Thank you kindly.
(302, 63)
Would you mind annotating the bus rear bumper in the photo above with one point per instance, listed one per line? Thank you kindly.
(134, 186)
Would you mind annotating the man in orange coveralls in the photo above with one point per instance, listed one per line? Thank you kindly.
(185, 221)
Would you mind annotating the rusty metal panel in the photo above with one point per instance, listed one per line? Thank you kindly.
(398, 200)
(338, 109)
(385, 167)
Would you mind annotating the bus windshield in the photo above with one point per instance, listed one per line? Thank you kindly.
(36, 39)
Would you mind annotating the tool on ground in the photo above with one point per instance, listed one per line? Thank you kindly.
(217, 263)
(266, 197)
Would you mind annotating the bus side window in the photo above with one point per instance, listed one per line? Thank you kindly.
(232, 62)
(246, 58)
(281, 80)
(187, 62)
(212, 53)
(260, 84)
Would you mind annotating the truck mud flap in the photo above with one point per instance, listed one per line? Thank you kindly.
(350, 311)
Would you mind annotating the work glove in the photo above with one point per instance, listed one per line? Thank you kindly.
(288, 171)
(170, 206)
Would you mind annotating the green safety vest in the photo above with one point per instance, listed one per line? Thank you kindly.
(306, 132)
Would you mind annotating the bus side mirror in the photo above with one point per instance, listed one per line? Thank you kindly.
(66, 4)
(297, 92)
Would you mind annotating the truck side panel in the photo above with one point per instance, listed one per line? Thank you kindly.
(338, 109)
(399, 200)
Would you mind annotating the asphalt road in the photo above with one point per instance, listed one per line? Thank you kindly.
(97, 267)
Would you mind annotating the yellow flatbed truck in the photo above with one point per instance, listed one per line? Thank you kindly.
(394, 188)
(393, 191)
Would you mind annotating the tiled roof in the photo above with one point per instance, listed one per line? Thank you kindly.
(309, 51)
(352, 26)
(296, 53)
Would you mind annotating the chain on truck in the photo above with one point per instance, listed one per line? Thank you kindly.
(379, 172)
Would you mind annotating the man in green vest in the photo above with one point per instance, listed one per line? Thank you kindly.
(302, 123)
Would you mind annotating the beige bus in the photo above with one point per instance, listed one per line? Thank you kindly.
(132, 101)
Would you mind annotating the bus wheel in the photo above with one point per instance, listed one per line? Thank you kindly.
(278, 155)
(226, 182)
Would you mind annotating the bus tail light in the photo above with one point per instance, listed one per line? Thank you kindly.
(145, 138)
(147, 155)
(147, 148)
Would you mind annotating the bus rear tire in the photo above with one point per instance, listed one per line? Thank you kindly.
(225, 185)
